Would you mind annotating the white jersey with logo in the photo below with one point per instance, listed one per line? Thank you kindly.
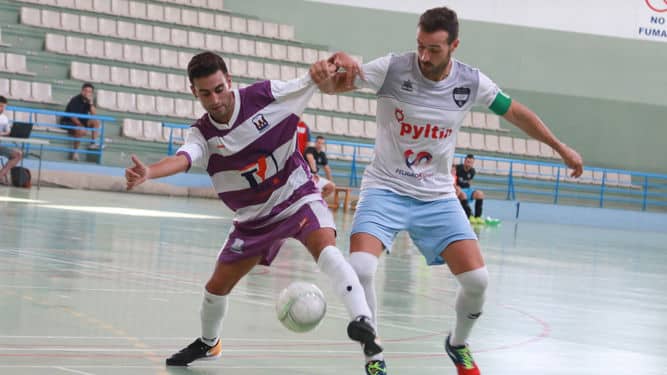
(417, 123)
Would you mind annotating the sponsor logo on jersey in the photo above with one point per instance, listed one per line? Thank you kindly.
(415, 159)
(416, 131)
(407, 86)
(461, 95)
(260, 122)
(257, 172)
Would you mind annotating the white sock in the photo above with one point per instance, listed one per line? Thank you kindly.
(212, 312)
(344, 281)
(469, 302)
(365, 265)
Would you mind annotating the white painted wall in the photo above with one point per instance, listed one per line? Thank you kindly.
(633, 19)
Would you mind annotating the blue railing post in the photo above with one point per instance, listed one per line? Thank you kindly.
(557, 187)
(645, 195)
(353, 168)
(101, 149)
(604, 179)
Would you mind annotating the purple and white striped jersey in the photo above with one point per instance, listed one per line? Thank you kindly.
(253, 161)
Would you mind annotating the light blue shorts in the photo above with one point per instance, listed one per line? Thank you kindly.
(468, 191)
(431, 225)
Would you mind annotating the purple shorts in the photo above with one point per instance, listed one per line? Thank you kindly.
(245, 243)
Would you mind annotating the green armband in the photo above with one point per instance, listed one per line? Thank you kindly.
(501, 104)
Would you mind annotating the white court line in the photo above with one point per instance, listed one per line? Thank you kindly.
(73, 371)
(167, 350)
(20, 200)
(214, 366)
(131, 212)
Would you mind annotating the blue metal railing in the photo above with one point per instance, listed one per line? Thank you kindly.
(172, 137)
(32, 118)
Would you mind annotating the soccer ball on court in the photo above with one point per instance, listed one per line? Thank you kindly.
(301, 306)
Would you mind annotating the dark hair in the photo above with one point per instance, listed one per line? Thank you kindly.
(319, 137)
(87, 84)
(441, 18)
(3, 99)
(470, 156)
(204, 64)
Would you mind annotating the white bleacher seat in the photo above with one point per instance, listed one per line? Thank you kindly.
(467, 120)
(491, 142)
(294, 53)
(114, 51)
(323, 124)
(287, 72)
(164, 106)
(597, 176)
(184, 59)
(271, 71)
(31, 16)
(347, 152)
(196, 40)
(361, 106)
(154, 12)
(546, 172)
(139, 78)
(132, 128)
(189, 17)
(477, 141)
(356, 128)
(15, 63)
(345, 103)
(206, 20)
(300, 72)
(183, 107)
(625, 179)
(370, 129)
(255, 69)
(255, 27)
(157, 81)
(173, 15)
(463, 140)
(169, 58)
(230, 45)
(3, 64)
(532, 147)
(223, 22)
(546, 151)
(177, 83)
(121, 8)
(106, 99)
(373, 107)
(145, 103)
(323, 55)
(334, 151)
(51, 19)
(518, 169)
(55, 43)
(247, 47)
(144, 32)
(120, 76)
(503, 168)
(42, 121)
(286, 32)
(309, 55)
(505, 145)
(126, 101)
(84, 5)
(89, 25)
(150, 55)
(161, 35)
(315, 101)
(41, 92)
(366, 154)
(75, 45)
(70, 22)
(197, 109)
(177, 134)
(132, 53)
(263, 49)
(519, 146)
(340, 126)
(270, 30)
(612, 179)
(19, 89)
(492, 121)
(278, 52)
(532, 170)
(330, 102)
(100, 73)
(239, 67)
(107, 27)
(95, 48)
(4, 87)
(102, 6)
(213, 42)
(239, 25)
(308, 119)
(127, 30)
(179, 37)
(478, 120)
(152, 130)
(80, 71)
(138, 9)
(489, 166)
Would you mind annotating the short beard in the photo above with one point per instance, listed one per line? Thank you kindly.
(436, 72)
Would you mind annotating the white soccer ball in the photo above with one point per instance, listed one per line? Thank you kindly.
(301, 306)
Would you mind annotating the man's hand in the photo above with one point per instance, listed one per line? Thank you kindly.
(350, 65)
(321, 71)
(136, 174)
(572, 159)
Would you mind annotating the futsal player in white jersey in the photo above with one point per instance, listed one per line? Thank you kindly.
(247, 142)
(423, 97)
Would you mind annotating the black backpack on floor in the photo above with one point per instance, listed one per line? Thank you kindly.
(21, 177)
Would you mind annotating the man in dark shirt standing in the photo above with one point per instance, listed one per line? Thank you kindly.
(82, 104)
(316, 157)
(464, 174)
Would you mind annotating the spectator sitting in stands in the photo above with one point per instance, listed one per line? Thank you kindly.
(14, 155)
(82, 104)
(302, 136)
(465, 173)
(316, 157)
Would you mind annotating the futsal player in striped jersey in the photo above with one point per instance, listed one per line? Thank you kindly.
(247, 142)
(423, 97)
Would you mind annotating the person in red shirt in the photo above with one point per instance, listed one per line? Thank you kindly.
(302, 136)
